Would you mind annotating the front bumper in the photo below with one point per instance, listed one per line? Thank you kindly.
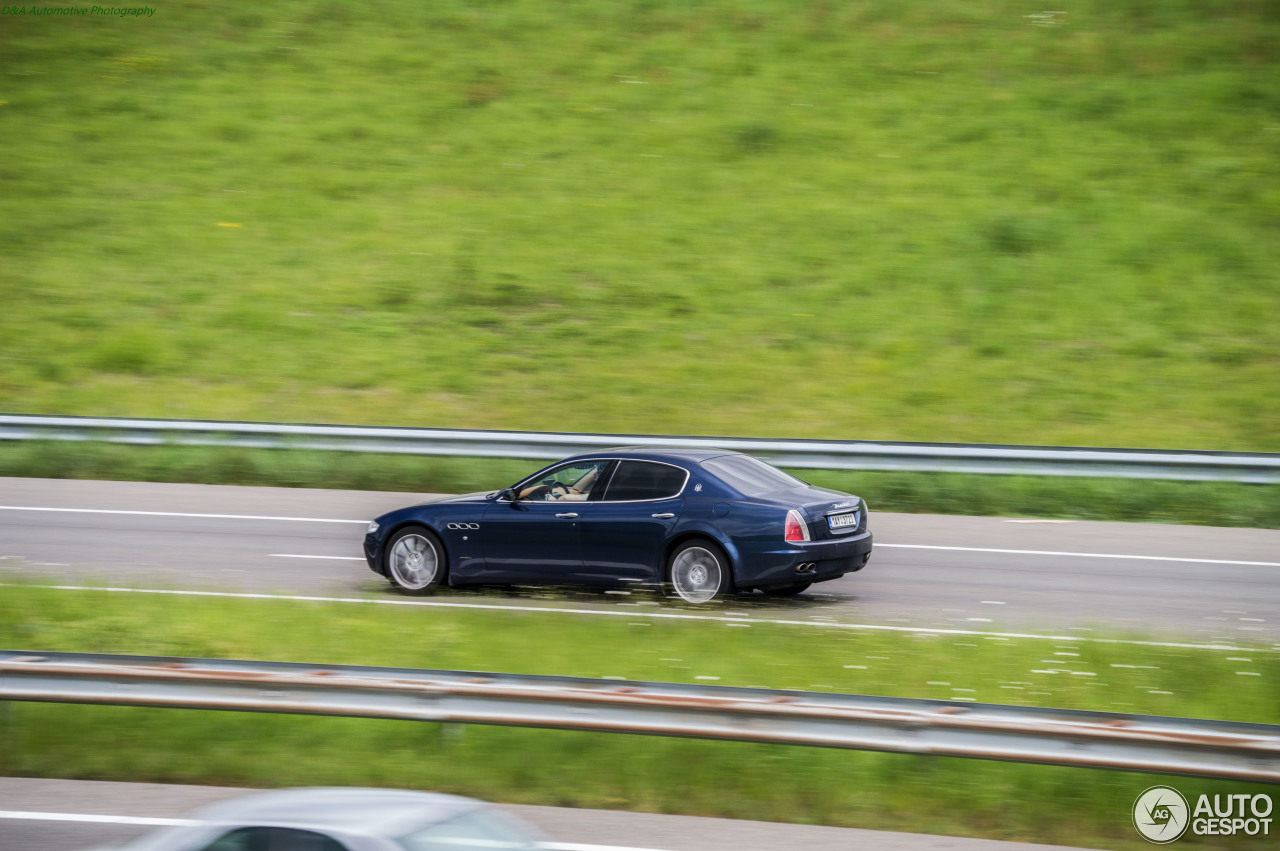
(372, 553)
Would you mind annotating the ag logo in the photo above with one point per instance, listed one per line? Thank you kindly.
(1160, 814)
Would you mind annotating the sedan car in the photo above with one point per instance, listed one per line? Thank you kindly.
(699, 523)
(342, 820)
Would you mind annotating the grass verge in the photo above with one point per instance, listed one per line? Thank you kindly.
(1200, 503)
(920, 220)
(806, 785)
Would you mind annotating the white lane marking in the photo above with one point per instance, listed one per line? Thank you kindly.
(178, 514)
(1077, 555)
(178, 822)
(577, 846)
(96, 819)
(630, 612)
(335, 558)
(891, 546)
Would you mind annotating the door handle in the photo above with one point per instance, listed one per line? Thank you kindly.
(568, 515)
(664, 516)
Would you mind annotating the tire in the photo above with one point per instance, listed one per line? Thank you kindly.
(788, 590)
(414, 559)
(698, 572)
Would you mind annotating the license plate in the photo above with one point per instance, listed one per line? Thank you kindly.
(843, 521)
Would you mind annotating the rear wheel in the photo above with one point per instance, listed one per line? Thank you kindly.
(788, 590)
(698, 572)
(414, 559)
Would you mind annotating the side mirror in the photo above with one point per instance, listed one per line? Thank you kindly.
(507, 494)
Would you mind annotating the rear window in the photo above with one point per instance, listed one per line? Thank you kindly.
(645, 480)
(750, 476)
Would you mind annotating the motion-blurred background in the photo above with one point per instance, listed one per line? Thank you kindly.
(957, 221)
(942, 221)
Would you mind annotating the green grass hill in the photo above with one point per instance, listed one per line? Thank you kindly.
(942, 221)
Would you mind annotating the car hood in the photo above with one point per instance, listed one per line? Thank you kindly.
(478, 496)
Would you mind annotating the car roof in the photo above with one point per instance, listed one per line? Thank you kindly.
(687, 454)
(357, 810)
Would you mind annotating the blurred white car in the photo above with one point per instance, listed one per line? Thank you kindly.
(337, 819)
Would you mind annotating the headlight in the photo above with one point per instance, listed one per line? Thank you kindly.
(373, 527)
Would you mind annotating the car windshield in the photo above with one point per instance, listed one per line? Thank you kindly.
(751, 476)
(487, 828)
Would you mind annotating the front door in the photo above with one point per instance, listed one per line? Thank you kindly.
(536, 536)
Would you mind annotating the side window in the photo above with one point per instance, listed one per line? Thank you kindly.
(572, 482)
(645, 480)
(274, 839)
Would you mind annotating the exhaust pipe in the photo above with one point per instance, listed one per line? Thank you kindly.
(806, 567)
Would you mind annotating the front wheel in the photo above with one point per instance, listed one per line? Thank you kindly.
(415, 559)
(698, 572)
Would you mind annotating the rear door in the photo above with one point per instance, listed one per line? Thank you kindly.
(623, 536)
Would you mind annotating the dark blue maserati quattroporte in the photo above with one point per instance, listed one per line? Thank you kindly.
(699, 523)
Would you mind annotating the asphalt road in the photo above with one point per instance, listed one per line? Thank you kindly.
(1174, 583)
(1178, 583)
(42, 808)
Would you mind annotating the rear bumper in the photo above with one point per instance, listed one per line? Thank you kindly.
(811, 561)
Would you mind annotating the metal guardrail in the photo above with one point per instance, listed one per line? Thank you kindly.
(1050, 736)
(1258, 468)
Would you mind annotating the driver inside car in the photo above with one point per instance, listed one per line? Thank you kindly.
(551, 490)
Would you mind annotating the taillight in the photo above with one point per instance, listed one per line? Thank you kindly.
(797, 529)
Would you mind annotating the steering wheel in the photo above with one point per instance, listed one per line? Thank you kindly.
(536, 492)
